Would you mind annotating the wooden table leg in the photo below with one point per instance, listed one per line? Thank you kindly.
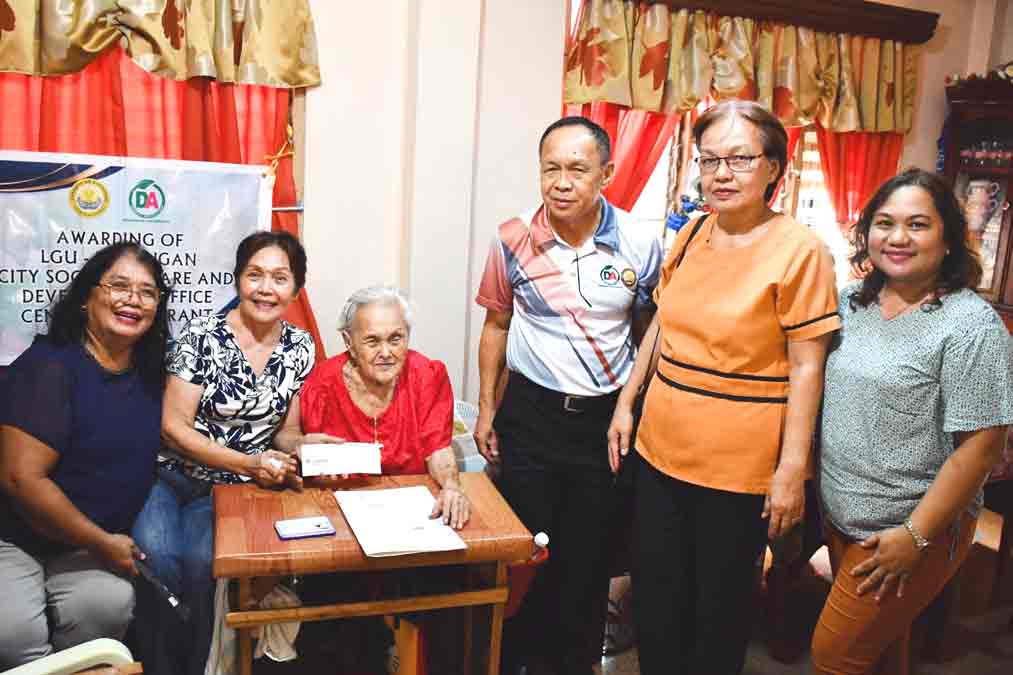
(496, 634)
(469, 634)
(245, 635)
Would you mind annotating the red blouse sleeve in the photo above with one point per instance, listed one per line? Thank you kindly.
(436, 408)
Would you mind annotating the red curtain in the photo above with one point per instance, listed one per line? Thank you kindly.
(639, 138)
(854, 165)
(114, 107)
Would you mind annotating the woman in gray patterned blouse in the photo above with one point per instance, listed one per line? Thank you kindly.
(917, 399)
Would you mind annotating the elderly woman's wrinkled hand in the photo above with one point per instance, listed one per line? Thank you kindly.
(453, 506)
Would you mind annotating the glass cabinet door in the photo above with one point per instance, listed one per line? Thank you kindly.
(984, 199)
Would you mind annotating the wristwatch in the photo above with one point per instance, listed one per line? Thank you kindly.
(921, 543)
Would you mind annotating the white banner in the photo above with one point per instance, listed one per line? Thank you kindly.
(56, 210)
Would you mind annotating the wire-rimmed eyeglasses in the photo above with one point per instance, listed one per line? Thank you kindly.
(120, 291)
(736, 163)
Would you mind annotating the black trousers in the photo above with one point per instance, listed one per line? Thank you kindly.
(556, 478)
(694, 556)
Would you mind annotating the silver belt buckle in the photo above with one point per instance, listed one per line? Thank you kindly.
(568, 399)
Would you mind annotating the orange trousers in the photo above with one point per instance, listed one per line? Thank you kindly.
(854, 632)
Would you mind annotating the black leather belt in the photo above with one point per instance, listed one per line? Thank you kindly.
(571, 403)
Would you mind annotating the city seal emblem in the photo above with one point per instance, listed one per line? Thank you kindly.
(629, 278)
(89, 198)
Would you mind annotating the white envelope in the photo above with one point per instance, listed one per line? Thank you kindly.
(319, 459)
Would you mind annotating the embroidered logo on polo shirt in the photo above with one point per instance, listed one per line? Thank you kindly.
(629, 278)
(609, 276)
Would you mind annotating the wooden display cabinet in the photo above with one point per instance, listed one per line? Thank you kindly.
(979, 166)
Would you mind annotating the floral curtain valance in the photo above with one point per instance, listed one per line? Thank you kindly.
(264, 42)
(648, 56)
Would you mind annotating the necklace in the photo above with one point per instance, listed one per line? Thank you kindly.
(370, 403)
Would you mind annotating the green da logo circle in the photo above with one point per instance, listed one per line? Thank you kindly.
(146, 199)
(609, 275)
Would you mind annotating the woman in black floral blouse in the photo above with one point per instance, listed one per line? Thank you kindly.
(233, 379)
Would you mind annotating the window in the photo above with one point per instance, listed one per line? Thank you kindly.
(806, 197)
(652, 204)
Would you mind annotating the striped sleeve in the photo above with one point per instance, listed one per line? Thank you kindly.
(495, 291)
(807, 296)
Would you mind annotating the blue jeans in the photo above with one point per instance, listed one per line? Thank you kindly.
(175, 529)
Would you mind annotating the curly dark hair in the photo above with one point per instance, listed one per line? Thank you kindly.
(961, 266)
(67, 322)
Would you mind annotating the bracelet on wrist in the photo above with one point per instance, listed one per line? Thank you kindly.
(921, 543)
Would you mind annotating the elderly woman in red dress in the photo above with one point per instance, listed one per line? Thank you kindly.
(380, 391)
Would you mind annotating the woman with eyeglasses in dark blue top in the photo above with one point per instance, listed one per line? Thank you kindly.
(79, 433)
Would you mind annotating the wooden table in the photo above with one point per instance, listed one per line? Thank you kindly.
(247, 547)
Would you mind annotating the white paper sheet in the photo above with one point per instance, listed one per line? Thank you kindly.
(396, 521)
(321, 459)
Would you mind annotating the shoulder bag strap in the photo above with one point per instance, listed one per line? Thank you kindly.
(696, 228)
(678, 261)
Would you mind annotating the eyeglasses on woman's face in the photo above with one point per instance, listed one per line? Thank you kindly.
(120, 291)
(736, 163)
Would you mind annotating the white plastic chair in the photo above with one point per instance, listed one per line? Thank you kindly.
(463, 444)
(91, 654)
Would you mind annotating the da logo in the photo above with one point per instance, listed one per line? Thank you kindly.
(147, 199)
(89, 198)
(629, 278)
(609, 275)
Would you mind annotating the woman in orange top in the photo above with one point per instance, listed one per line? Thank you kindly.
(746, 307)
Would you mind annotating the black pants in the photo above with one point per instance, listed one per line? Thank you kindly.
(693, 571)
(556, 478)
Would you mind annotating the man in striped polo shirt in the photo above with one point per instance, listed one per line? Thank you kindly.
(566, 286)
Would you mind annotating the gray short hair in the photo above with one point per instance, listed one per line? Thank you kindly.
(374, 294)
